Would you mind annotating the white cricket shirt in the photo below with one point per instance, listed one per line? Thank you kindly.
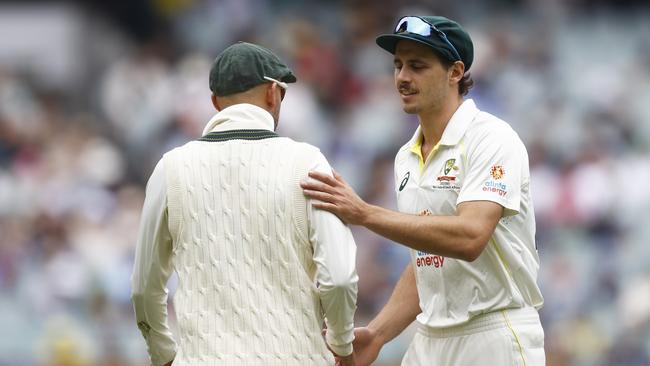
(478, 158)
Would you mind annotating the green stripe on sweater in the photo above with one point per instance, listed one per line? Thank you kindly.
(238, 135)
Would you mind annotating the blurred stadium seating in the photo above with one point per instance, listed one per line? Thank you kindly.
(92, 93)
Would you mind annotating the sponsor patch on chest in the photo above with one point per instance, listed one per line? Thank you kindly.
(429, 260)
(425, 259)
(448, 176)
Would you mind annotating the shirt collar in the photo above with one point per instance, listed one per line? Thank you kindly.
(242, 116)
(458, 123)
(454, 130)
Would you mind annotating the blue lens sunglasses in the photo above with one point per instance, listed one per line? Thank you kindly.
(421, 27)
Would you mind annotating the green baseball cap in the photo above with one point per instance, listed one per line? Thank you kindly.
(443, 35)
(244, 65)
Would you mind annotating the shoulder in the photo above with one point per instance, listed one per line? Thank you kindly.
(178, 151)
(487, 129)
(305, 156)
(302, 148)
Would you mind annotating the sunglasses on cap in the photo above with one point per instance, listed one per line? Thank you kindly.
(421, 27)
(283, 86)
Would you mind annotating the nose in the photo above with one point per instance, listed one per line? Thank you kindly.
(402, 76)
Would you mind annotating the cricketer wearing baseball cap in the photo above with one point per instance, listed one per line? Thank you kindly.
(259, 268)
(465, 211)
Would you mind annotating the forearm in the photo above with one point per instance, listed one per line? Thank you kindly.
(462, 236)
(151, 317)
(339, 305)
(151, 270)
(401, 309)
(449, 236)
(336, 275)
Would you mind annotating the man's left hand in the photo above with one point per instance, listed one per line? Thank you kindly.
(336, 196)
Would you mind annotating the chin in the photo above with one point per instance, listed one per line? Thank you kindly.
(410, 109)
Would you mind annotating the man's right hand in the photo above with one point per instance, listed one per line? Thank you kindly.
(366, 346)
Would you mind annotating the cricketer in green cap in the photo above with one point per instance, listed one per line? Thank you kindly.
(445, 36)
(239, 73)
(471, 283)
(244, 65)
(217, 210)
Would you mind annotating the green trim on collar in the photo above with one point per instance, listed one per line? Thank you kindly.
(238, 135)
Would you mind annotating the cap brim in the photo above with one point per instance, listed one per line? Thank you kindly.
(289, 78)
(389, 41)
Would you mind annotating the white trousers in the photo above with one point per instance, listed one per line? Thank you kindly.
(502, 338)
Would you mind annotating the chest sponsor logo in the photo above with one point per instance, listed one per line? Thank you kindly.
(429, 260)
(449, 165)
(404, 181)
(425, 259)
(446, 179)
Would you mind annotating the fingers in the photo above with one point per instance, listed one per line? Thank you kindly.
(325, 178)
(321, 196)
(337, 176)
(326, 206)
(316, 186)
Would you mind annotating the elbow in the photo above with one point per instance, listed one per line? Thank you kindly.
(341, 282)
(473, 238)
(137, 297)
(471, 253)
(139, 294)
(473, 247)
(346, 282)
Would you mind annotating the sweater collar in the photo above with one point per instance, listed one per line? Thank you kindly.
(242, 116)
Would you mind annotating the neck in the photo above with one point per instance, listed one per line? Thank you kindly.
(433, 123)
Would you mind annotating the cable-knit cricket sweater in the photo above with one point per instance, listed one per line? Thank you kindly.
(258, 267)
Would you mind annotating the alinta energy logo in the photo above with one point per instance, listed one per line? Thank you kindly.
(425, 259)
(496, 172)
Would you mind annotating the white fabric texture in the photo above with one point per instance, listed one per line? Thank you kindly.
(258, 267)
(508, 337)
(479, 158)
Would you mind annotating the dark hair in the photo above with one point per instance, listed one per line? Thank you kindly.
(465, 83)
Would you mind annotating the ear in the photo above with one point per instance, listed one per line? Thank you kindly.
(456, 72)
(271, 96)
(215, 102)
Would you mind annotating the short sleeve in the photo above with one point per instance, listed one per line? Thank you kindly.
(494, 170)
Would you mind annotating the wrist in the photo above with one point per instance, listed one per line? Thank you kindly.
(341, 351)
(378, 335)
(366, 214)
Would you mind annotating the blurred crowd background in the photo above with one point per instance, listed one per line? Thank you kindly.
(92, 93)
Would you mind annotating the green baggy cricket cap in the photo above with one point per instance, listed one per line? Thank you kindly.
(244, 65)
(447, 38)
